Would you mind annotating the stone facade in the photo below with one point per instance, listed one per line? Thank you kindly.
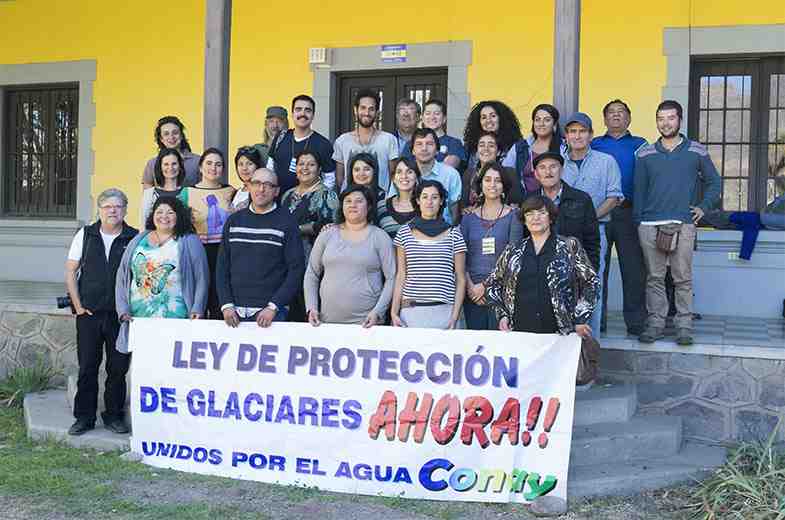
(26, 337)
(719, 398)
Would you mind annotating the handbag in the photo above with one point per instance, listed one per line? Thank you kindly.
(668, 237)
(588, 361)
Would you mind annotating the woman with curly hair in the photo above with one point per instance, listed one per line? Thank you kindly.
(495, 116)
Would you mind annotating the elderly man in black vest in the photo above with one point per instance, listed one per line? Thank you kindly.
(90, 273)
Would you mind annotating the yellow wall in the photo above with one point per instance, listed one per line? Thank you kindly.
(150, 57)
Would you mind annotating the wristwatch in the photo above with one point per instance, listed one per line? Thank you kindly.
(272, 306)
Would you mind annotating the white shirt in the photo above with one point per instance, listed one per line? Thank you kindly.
(77, 244)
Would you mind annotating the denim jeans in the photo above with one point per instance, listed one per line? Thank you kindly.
(596, 317)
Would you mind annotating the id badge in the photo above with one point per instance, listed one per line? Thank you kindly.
(293, 165)
(489, 246)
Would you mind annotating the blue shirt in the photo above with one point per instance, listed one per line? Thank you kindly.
(623, 150)
(448, 145)
(448, 177)
(598, 175)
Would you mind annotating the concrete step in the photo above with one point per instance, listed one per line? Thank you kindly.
(642, 437)
(72, 379)
(48, 416)
(694, 461)
(605, 404)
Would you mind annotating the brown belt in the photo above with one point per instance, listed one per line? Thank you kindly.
(412, 303)
(626, 203)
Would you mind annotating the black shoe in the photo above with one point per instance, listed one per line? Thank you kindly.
(635, 331)
(80, 427)
(116, 426)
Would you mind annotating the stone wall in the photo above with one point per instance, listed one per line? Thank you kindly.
(28, 336)
(719, 398)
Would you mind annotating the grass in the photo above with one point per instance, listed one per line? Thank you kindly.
(25, 380)
(85, 482)
(750, 486)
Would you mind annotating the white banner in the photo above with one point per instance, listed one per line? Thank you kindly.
(418, 413)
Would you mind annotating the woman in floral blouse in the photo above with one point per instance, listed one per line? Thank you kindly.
(544, 283)
(313, 206)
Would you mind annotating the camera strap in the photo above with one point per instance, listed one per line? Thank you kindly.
(84, 252)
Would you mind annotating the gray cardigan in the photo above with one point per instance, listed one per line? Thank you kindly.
(194, 279)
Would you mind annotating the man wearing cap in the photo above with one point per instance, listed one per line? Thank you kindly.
(276, 120)
(287, 145)
(597, 174)
(576, 217)
(621, 231)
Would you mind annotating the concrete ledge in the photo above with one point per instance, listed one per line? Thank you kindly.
(48, 417)
(707, 349)
(694, 461)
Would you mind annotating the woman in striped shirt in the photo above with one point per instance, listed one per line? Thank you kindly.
(431, 281)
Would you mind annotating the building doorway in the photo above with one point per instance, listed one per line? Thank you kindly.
(417, 84)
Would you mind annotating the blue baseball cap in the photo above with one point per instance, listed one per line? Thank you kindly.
(581, 119)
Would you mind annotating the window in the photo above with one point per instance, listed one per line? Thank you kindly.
(415, 84)
(39, 161)
(740, 117)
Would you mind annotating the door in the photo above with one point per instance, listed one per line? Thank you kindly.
(419, 85)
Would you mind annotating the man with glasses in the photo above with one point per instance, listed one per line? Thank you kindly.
(90, 271)
(287, 145)
(261, 262)
(619, 143)
(407, 117)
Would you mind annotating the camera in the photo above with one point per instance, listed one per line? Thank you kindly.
(64, 302)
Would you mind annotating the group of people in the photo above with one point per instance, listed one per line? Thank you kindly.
(415, 228)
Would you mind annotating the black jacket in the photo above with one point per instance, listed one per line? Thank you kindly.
(97, 279)
(577, 218)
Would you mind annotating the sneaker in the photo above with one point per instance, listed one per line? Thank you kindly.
(650, 335)
(80, 427)
(684, 337)
(116, 426)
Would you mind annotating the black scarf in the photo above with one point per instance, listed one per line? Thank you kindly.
(432, 227)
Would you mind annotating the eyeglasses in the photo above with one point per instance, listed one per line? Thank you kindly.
(110, 206)
(263, 184)
(536, 213)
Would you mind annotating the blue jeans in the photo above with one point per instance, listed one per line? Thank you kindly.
(596, 317)
(479, 317)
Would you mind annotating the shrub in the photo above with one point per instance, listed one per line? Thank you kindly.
(25, 380)
(749, 486)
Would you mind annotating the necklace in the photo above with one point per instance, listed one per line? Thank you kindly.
(370, 139)
(158, 238)
(488, 225)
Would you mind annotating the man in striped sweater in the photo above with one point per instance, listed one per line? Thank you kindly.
(261, 261)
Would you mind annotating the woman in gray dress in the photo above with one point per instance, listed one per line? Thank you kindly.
(351, 270)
